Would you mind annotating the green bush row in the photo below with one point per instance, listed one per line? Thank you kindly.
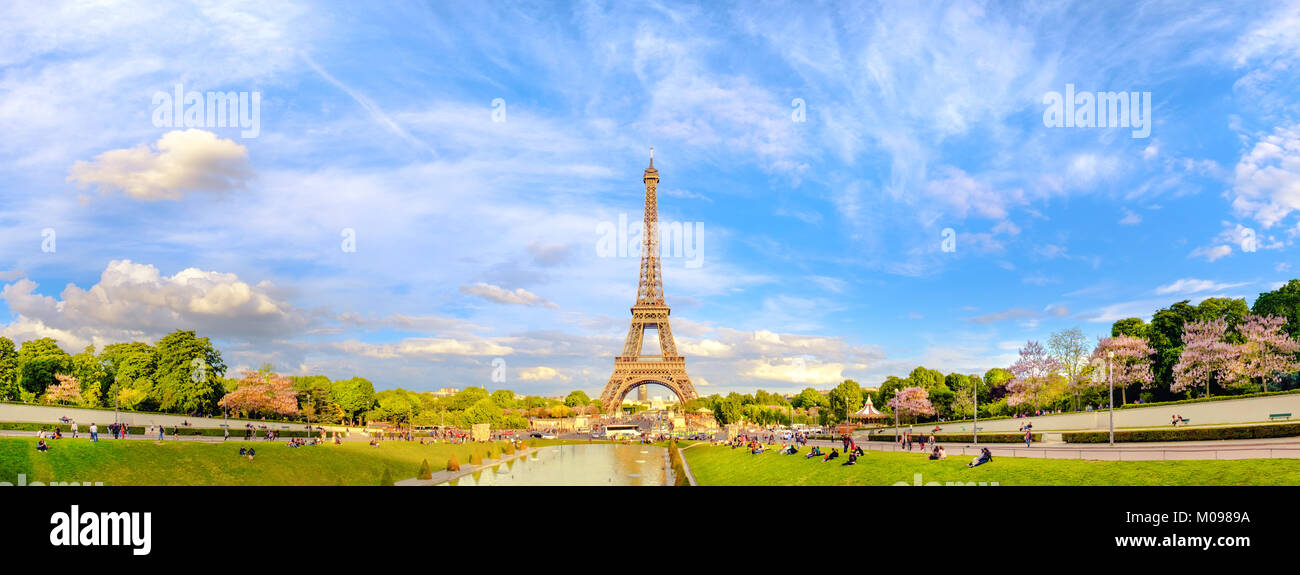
(1187, 434)
(966, 437)
(140, 430)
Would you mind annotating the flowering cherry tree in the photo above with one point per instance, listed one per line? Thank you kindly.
(1269, 351)
(67, 390)
(1131, 364)
(267, 393)
(1031, 374)
(912, 401)
(1206, 357)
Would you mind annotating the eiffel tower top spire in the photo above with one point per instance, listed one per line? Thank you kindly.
(650, 290)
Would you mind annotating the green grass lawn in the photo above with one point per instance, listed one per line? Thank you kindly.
(201, 463)
(721, 465)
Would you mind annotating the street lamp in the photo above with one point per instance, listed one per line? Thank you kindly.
(975, 410)
(1110, 380)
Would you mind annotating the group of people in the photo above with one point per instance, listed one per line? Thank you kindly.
(907, 441)
(248, 452)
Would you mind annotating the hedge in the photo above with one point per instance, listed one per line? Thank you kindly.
(679, 468)
(235, 433)
(965, 437)
(1187, 434)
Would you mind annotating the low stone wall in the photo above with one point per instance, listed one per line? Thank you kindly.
(1228, 411)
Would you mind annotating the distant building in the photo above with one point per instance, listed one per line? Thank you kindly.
(446, 392)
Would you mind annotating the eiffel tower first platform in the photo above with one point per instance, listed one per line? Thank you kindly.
(633, 369)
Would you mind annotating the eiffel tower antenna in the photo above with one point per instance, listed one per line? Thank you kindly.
(632, 369)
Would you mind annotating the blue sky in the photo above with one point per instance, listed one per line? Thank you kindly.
(822, 256)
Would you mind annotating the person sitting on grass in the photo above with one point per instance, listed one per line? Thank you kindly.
(853, 459)
(251, 453)
(857, 450)
(243, 452)
(790, 450)
(757, 449)
(832, 455)
(984, 457)
(935, 453)
(814, 453)
(41, 446)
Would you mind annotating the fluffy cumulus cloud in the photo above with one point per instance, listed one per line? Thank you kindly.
(134, 300)
(1267, 180)
(180, 162)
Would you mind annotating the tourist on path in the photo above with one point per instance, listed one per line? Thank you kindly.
(94, 432)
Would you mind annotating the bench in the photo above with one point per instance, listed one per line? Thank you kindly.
(1273, 416)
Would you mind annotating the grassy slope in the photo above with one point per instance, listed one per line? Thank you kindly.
(724, 466)
(202, 463)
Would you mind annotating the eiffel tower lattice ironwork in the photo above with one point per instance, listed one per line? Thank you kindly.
(632, 369)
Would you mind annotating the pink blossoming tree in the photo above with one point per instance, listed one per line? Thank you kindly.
(66, 391)
(1031, 374)
(265, 393)
(1131, 364)
(1207, 357)
(1269, 351)
(913, 401)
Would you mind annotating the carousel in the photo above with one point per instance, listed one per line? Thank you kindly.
(868, 414)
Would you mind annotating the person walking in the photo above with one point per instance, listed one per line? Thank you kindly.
(94, 432)
(74, 428)
(1029, 436)
(160, 433)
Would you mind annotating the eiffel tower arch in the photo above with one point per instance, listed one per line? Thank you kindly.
(632, 368)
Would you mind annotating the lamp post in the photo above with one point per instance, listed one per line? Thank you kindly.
(1110, 380)
(975, 411)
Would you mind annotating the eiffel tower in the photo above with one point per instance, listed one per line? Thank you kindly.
(631, 368)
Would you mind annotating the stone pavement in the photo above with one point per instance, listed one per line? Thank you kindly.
(1279, 447)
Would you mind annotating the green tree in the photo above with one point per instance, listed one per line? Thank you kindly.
(355, 396)
(576, 398)
(8, 370)
(90, 371)
(38, 361)
(128, 366)
(810, 398)
(188, 376)
(1132, 327)
(845, 399)
(727, 410)
(504, 398)
(1283, 302)
(996, 380)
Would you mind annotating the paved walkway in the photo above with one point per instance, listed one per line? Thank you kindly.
(1273, 448)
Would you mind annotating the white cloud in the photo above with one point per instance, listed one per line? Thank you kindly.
(189, 160)
(1266, 183)
(1192, 285)
(499, 294)
(542, 373)
(1211, 253)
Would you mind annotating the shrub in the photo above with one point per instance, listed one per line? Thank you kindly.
(965, 437)
(476, 459)
(425, 472)
(453, 464)
(510, 449)
(387, 479)
(1187, 434)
